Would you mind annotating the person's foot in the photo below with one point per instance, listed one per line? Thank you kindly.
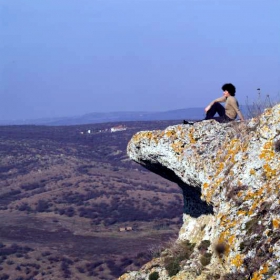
(188, 122)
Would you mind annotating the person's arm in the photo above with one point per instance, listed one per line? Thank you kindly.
(237, 110)
(220, 99)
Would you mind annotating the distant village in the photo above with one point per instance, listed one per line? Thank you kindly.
(123, 229)
(112, 129)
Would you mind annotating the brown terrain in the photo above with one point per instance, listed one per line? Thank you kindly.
(73, 206)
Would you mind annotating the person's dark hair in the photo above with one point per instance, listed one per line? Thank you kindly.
(230, 88)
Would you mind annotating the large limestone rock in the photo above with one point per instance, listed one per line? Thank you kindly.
(229, 174)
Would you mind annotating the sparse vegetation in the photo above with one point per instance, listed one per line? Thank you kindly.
(205, 259)
(154, 276)
(203, 246)
(61, 189)
(176, 254)
(257, 107)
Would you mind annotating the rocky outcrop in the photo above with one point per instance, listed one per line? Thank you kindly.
(229, 174)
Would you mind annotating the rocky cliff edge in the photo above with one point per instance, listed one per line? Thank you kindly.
(229, 176)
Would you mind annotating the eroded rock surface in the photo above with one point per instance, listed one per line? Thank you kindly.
(229, 174)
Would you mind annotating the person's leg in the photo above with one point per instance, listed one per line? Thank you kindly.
(215, 108)
(223, 119)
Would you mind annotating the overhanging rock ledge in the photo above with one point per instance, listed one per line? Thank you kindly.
(229, 174)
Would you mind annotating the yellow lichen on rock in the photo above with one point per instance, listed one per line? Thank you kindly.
(234, 171)
(238, 260)
(276, 223)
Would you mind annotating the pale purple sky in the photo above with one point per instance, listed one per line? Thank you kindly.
(72, 57)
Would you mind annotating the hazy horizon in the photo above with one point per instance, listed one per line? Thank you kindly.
(67, 58)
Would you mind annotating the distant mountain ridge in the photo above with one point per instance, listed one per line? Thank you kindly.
(196, 113)
(180, 114)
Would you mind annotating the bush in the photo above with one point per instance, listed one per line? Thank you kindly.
(257, 107)
(154, 276)
(4, 276)
(42, 206)
(205, 259)
(172, 265)
(203, 246)
(177, 253)
(24, 207)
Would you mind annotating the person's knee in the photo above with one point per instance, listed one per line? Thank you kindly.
(217, 104)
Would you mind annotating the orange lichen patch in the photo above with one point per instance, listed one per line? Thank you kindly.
(275, 223)
(256, 203)
(244, 147)
(267, 152)
(179, 128)
(211, 190)
(269, 172)
(264, 269)
(268, 112)
(259, 274)
(182, 134)
(147, 134)
(240, 193)
(256, 194)
(226, 237)
(268, 145)
(170, 133)
(224, 220)
(233, 148)
(205, 185)
(249, 195)
(231, 240)
(241, 212)
(252, 172)
(238, 260)
(178, 147)
(220, 168)
(192, 140)
(223, 240)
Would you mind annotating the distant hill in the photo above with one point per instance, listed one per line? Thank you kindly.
(180, 114)
(91, 118)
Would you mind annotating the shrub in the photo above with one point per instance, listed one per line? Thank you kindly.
(24, 207)
(213, 277)
(10, 262)
(154, 276)
(203, 246)
(177, 253)
(257, 107)
(235, 275)
(4, 276)
(172, 265)
(205, 259)
(42, 206)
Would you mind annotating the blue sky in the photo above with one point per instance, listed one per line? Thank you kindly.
(70, 57)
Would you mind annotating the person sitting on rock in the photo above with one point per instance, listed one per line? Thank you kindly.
(227, 113)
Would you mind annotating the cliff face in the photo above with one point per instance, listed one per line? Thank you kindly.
(229, 174)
